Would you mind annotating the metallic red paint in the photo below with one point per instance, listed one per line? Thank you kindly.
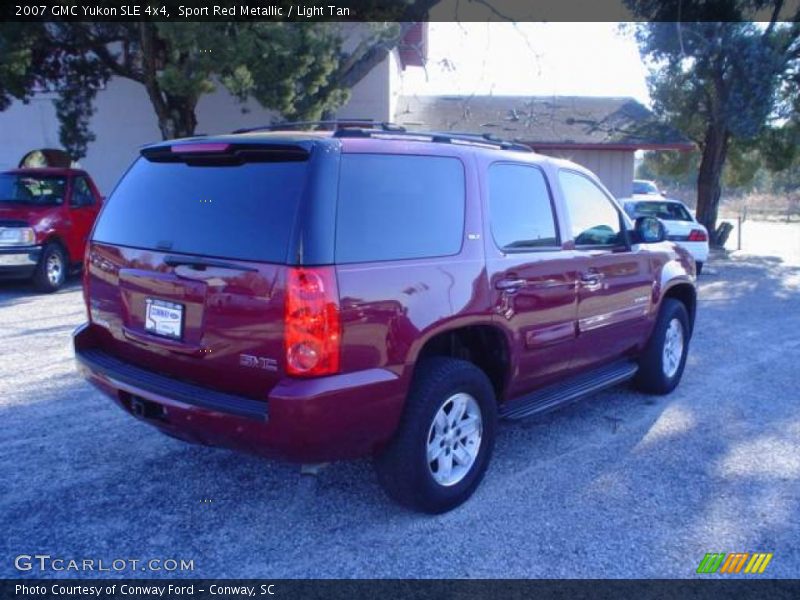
(66, 224)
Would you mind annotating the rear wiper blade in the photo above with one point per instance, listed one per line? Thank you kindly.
(199, 261)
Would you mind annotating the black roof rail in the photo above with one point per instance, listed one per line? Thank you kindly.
(334, 124)
(486, 139)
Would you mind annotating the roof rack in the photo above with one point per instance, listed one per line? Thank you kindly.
(334, 124)
(487, 140)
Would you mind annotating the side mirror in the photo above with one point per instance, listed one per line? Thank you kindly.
(649, 230)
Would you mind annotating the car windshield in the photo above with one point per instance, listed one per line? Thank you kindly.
(644, 187)
(668, 211)
(29, 189)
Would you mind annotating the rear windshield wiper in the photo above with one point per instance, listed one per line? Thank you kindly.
(201, 263)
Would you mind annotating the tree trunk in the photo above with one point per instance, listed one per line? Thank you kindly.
(176, 114)
(715, 151)
(180, 119)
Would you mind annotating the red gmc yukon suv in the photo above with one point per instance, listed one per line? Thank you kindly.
(370, 291)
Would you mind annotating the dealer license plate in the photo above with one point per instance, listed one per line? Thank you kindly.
(164, 318)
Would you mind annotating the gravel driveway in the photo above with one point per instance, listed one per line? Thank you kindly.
(620, 485)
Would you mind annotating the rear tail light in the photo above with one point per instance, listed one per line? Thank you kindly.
(698, 235)
(85, 280)
(199, 148)
(311, 320)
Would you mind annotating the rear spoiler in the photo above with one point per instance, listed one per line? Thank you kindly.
(222, 153)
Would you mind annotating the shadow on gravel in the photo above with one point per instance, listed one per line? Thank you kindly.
(14, 292)
(25, 333)
(739, 278)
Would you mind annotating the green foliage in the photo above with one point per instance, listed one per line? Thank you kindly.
(15, 58)
(303, 71)
(74, 109)
(294, 71)
(728, 85)
(768, 163)
(672, 168)
(727, 72)
(18, 52)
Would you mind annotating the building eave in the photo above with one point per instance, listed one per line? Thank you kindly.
(681, 147)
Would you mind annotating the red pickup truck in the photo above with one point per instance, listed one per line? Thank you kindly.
(46, 216)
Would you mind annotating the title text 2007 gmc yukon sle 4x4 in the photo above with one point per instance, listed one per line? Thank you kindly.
(329, 295)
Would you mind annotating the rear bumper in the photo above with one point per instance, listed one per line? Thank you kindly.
(314, 420)
(698, 250)
(19, 262)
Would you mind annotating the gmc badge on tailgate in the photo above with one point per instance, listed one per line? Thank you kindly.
(258, 362)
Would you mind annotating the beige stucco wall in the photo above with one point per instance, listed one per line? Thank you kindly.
(613, 167)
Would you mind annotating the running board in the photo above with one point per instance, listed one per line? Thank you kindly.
(564, 392)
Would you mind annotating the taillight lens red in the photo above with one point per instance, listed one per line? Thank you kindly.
(312, 323)
(698, 235)
(85, 280)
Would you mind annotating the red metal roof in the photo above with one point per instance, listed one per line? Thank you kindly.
(413, 48)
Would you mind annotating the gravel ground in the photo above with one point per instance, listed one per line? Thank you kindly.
(620, 485)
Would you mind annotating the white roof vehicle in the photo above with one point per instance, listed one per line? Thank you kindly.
(682, 227)
(643, 188)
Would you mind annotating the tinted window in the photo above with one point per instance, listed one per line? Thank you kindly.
(245, 211)
(32, 189)
(81, 193)
(669, 211)
(520, 212)
(393, 207)
(595, 220)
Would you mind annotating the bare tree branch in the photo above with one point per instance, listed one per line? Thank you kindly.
(496, 12)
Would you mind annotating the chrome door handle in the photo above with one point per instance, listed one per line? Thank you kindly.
(590, 278)
(510, 285)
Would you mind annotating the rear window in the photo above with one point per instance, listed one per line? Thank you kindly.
(668, 211)
(241, 212)
(520, 211)
(395, 207)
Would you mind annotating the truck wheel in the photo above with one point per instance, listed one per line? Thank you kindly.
(51, 272)
(443, 445)
(661, 365)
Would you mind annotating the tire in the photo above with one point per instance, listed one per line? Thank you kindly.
(698, 267)
(660, 370)
(403, 468)
(51, 272)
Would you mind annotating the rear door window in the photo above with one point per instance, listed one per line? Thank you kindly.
(520, 211)
(244, 212)
(394, 207)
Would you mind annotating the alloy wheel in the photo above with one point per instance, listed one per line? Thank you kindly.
(673, 348)
(55, 269)
(454, 439)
